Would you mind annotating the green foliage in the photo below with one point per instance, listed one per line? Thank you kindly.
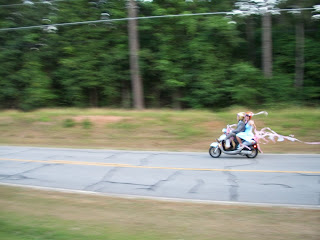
(68, 123)
(185, 62)
(247, 84)
(86, 124)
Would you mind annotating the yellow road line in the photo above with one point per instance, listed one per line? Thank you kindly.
(151, 167)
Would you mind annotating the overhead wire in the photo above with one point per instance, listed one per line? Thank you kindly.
(30, 3)
(136, 18)
(112, 20)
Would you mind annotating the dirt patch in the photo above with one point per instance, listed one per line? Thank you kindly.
(100, 119)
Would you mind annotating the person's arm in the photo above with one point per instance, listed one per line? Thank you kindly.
(240, 128)
(252, 124)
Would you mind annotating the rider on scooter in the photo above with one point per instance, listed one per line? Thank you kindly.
(247, 135)
(240, 128)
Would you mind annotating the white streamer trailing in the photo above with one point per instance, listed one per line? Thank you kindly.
(263, 112)
(266, 134)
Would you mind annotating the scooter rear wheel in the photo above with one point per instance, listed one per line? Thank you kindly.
(215, 152)
(253, 154)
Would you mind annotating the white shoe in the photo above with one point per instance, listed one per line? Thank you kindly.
(239, 147)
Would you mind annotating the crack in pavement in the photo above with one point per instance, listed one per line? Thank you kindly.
(155, 186)
(276, 184)
(111, 156)
(312, 175)
(233, 180)
(309, 175)
(99, 186)
(120, 183)
(4, 176)
(196, 187)
(144, 161)
(109, 174)
(233, 190)
(19, 176)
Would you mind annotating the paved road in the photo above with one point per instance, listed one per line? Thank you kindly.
(268, 179)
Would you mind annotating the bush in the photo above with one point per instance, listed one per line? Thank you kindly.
(86, 124)
(68, 123)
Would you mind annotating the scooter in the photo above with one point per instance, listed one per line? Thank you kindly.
(249, 149)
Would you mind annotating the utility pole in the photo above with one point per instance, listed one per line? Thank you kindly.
(137, 86)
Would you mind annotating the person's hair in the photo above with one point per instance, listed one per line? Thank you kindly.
(241, 115)
(249, 114)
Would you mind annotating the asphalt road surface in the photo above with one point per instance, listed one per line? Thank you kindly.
(274, 179)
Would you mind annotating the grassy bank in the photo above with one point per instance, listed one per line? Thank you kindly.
(150, 129)
(33, 214)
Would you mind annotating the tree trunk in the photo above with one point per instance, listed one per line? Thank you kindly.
(299, 68)
(176, 102)
(93, 97)
(266, 45)
(137, 88)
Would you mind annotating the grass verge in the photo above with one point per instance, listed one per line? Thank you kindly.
(39, 214)
(189, 130)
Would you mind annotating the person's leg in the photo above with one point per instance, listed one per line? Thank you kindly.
(239, 141)
(230, 135)
(227, 140)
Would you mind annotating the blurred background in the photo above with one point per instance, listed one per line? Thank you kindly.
(87, 53)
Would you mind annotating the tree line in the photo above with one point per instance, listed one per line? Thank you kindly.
(208, 61)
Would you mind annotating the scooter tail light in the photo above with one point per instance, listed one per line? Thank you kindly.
(255, 146)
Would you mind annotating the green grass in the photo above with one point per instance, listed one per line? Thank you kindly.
(125, 126)
(68, 123)
(86, 124)
(16, 227)
(47, 215)
(189, 130)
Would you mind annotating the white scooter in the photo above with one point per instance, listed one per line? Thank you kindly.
(250, 149)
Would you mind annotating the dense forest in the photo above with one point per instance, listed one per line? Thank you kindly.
(189, 61)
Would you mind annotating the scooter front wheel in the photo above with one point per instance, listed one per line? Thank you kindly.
(215, 152)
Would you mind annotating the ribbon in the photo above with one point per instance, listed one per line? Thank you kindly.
(262, 112)
(266, 134)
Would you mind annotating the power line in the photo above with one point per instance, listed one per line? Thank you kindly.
(24, 4)
(112, 20)
(30, 3)
(137, 18)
